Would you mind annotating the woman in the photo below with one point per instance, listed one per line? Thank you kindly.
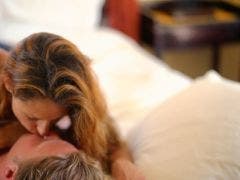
(46, 78)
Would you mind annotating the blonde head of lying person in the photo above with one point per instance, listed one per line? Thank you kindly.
(33, 157)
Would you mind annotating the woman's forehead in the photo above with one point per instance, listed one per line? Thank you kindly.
(42, 108)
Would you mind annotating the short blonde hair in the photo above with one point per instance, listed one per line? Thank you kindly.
(75, 166)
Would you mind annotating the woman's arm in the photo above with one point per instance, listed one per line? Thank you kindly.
(122, 167)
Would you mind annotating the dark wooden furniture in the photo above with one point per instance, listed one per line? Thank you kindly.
(183, 24)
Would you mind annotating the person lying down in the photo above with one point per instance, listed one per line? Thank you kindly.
(33, 157)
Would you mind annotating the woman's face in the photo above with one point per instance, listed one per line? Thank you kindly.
(37, 115)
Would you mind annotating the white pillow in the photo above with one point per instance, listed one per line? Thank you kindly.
(19, 18)
(194, 135)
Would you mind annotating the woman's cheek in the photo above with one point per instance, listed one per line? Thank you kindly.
(29, 125)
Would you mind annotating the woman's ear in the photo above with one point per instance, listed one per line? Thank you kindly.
(8, 83)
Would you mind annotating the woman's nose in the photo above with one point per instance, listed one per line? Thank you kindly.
(43, 127)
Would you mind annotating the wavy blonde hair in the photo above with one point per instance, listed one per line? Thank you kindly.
(46, 65)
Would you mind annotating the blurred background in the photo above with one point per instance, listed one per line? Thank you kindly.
(194, 36)
(191, 36)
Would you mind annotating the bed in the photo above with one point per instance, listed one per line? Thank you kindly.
(153, 105)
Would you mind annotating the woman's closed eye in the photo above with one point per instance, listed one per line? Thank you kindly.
(37, 119)
(32, 118)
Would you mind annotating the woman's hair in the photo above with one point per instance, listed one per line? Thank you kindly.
(75, 166)
(46, 65)
(4, 98)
